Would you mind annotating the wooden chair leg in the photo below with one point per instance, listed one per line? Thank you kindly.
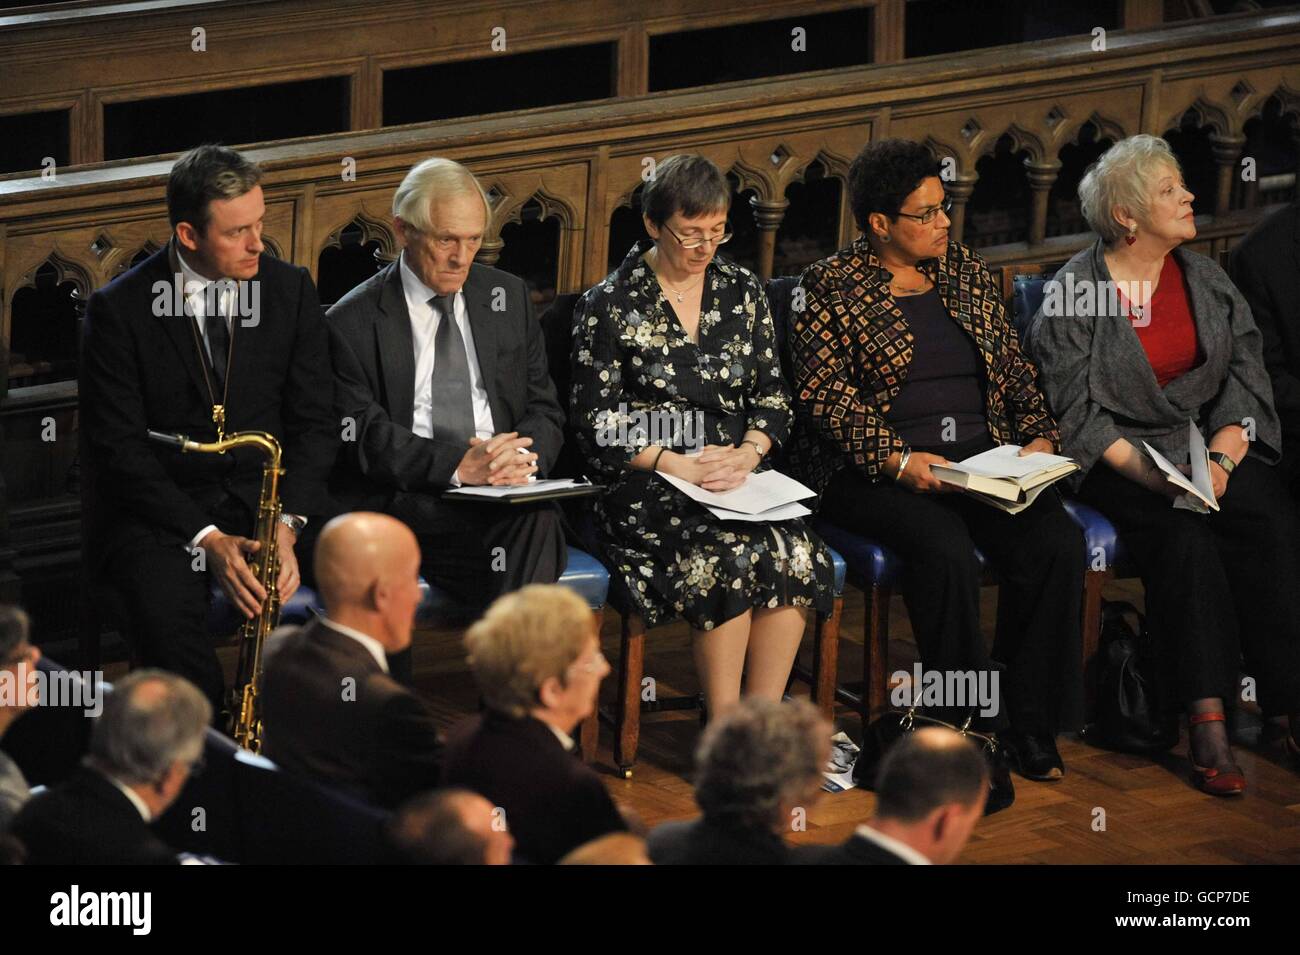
(826, 656)
(589, 734)
(875, 655)
(631, 666)
(1093, 582)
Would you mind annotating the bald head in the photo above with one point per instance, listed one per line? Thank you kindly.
(368, 570)
(926, 770)
(357, 550)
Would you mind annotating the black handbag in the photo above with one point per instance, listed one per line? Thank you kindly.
(1130, 718)
(887, 730)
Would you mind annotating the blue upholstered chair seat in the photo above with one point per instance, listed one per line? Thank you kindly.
(872, 563)
(1098, 532)
(584, 575)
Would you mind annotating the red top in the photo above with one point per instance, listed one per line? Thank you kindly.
(1165, 327)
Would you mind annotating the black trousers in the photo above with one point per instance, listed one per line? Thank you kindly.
(1218, 584)
(1039, 555)
(167, 594)
(477, 552)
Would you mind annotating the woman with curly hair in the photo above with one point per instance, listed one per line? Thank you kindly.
(904, 358)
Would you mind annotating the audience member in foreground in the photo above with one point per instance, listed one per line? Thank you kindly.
(930, 791)
(617, 848)
(331, 710)
(17, 658)
(538, 665)
(450, 827)
(1124, 370)
(758, 768)
(143, 748)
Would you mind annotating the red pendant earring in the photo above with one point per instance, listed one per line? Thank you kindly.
(1131, 237)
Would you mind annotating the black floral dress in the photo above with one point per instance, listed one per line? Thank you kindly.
(638, 380)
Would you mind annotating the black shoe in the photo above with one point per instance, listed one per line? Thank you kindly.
(1034, 755)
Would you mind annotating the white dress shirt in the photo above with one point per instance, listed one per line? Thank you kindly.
(424, 326)
(900, 849)
(366, 640)
(194, 287)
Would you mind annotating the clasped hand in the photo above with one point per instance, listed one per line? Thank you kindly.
(717, 468)
(501, 460)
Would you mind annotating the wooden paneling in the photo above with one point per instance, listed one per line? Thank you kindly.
(580, 163)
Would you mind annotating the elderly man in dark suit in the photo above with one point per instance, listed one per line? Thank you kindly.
(1266, 268)
(930, 792)
(210, 322)
(331, 710)
(441, 372)
(537, 661)
(143, 748)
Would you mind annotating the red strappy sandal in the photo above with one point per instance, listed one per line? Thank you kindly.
(1220, 780)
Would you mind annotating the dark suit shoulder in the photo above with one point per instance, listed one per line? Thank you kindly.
(853, 851)
(362, 301)
(1265, 236)
(85, 820)
(487, 276)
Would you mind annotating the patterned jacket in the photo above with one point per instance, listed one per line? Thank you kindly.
(851, 348)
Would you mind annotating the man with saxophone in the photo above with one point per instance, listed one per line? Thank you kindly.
(209, 336)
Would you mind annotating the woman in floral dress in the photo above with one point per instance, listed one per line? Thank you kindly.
(673, 352)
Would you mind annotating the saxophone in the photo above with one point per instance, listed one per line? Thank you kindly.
(244, 710)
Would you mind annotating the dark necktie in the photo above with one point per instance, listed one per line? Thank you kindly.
(453, 409)
(218, 335)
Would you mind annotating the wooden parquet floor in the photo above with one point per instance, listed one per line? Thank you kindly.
(1151, 812)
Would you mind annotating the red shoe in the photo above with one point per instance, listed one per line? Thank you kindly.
(1220, 780)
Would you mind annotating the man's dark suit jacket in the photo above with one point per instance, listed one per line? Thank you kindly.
(142, 371)
(1266, 267)
(702, 842)
(86, 820)
(854, 850)
(332, 714)
(374, 365)
(553, 802)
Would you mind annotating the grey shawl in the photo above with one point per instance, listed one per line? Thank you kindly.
(1101, 386)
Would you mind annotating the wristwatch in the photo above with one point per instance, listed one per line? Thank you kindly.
(1223, 461)
(293, 522)
(758, 448)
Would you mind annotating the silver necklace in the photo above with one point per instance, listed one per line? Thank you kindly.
(677, 292)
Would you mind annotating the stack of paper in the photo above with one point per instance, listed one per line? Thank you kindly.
(1002, 478)
(549, 488)
(765, 497)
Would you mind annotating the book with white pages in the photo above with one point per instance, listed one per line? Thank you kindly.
(1003, 478)
(767, 496)
(1200, 486)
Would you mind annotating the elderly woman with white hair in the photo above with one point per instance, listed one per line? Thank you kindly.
(1136, 337)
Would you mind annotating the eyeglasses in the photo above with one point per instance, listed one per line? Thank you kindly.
(925, 218)
(695, 243)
